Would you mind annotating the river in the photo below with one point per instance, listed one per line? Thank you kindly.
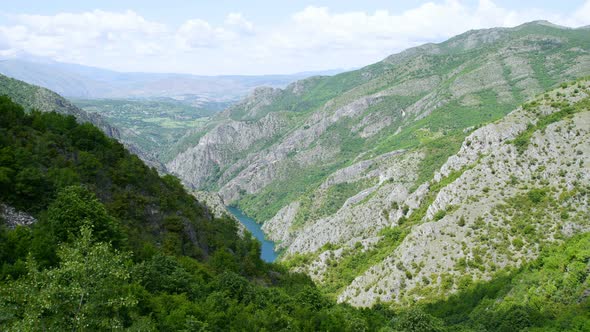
(268, 253)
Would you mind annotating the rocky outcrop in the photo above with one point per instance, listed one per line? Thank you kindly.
(13, 218)
(214, 204)
(278, 229)
(221, 146)
(362, 215)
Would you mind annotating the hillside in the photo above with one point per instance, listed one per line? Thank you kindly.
(34, 97)
(108, 244)
(45, 153)
(514, 187)
(329, 164)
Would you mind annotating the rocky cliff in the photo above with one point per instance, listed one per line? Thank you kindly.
(515, 186)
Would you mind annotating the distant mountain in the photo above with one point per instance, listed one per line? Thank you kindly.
(72, 80)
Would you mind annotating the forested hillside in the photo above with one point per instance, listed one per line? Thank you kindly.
(44, 100)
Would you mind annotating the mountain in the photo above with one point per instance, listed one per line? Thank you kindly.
(111, 241)
(515, 186)
(83, 82)
(37, 98)
(108, 244)
(455, 221)
(149, 111)
(33, 97)
(348, 173)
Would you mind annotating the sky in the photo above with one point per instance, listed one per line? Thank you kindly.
(253, 37)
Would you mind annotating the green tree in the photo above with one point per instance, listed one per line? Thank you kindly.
(415, 319)
(76, 206)
(88, 291)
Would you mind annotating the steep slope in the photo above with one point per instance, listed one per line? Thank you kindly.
(272, 153)
(34, 97)
(117, 247)
(514, 187)
(330, 164)
(44, 153)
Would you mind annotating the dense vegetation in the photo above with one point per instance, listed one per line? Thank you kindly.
(118, 247)
(42, 154)
(550, 294)
(30, 96)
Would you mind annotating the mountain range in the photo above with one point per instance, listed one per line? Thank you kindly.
(84, 82)
(446, 186)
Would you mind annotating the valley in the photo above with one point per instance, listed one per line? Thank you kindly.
(267, 249)
(444, 188)
(155, 126)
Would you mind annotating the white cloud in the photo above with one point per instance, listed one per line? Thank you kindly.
(197, 33)
(313, 38)
(237, 22)
(581, 17)
(69, 36)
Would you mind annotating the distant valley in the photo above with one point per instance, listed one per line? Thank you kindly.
(156, 115)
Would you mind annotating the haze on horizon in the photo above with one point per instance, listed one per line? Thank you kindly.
(254, 38)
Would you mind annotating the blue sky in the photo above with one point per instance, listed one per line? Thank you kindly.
(252, 37)
(263, 11)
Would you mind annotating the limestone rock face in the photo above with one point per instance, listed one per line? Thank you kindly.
(219, 147)
(361, 216)
(14, 218)
(278, 229)
(478, 214)
(214, 203)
